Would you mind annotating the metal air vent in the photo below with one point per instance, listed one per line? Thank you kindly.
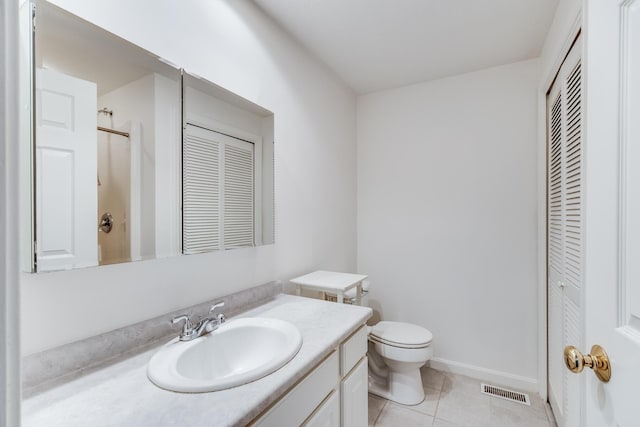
(502, 393)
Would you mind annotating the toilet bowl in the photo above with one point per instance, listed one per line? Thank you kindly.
(396, 352)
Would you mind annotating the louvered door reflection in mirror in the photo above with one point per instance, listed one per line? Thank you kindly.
(227, 170)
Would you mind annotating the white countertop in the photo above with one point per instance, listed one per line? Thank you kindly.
(329, 280)
(121, 394)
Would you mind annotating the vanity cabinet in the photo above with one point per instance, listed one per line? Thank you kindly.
(354, 396)
(327, 414)
(334, 393)
(354, 387)
(324, 385)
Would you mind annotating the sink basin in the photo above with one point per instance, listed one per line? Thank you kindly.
(238, 352)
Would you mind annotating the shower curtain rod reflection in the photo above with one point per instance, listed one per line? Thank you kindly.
(117, 132)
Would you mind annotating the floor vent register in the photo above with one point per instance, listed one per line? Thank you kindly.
(502, 393)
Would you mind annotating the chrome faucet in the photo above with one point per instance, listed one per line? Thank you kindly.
(203, 327)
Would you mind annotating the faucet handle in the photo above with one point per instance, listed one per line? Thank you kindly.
(187, 327)
(218, 305)
(220, 316)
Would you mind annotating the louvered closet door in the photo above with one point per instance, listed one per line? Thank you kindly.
(200, 191)
(238, 194)
(564, 234)
(218, 191)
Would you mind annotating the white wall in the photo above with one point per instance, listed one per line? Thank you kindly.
(447, 215)
(153, 102)
(9, 200)
(201, 107)
(133, 101)
(232, 44)
(168, 155)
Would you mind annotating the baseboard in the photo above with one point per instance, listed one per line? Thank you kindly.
(489, 375)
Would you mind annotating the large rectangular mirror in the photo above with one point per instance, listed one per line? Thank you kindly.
(107, 147)
(227, 169)
(114, 143)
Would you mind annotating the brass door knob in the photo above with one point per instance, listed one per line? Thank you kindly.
(597, 360)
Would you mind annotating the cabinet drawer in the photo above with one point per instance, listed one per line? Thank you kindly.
(352, 350)
(301, 401)
(328, 414)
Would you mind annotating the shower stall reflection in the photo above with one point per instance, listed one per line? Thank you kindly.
(115, 187)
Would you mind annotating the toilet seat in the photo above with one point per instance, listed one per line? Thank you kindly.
(400, 334)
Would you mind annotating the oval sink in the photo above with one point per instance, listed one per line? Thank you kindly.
(238, 352)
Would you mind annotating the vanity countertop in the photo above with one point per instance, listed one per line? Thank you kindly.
(121, 395)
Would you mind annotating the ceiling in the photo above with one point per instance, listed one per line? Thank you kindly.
(380, 44)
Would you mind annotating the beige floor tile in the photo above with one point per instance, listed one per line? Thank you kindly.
(462, 403)
(375, 407)
(460, 410)
(442, 423)
(501, 417)
(460, 384)
(455, 401)
(432, 378)
(430, 403)
(536, 410)
(398, 416)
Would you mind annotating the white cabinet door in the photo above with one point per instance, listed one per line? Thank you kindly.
(294, 408)
(327, 415)
(354, 395)
(66, 172)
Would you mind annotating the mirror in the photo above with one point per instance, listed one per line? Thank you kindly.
(102, 149)
(107, 147)
(227, 169)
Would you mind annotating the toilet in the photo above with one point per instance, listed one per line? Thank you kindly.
(397, 351)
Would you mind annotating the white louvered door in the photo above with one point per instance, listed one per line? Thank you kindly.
(218, 191)
(238, 191)
(200, 191)
(565, 234)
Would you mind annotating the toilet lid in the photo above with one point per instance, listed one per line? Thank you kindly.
(400, 334)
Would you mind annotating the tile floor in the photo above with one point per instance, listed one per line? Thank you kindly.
(455, 401)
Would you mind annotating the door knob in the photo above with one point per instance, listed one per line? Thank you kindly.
(597, 360)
